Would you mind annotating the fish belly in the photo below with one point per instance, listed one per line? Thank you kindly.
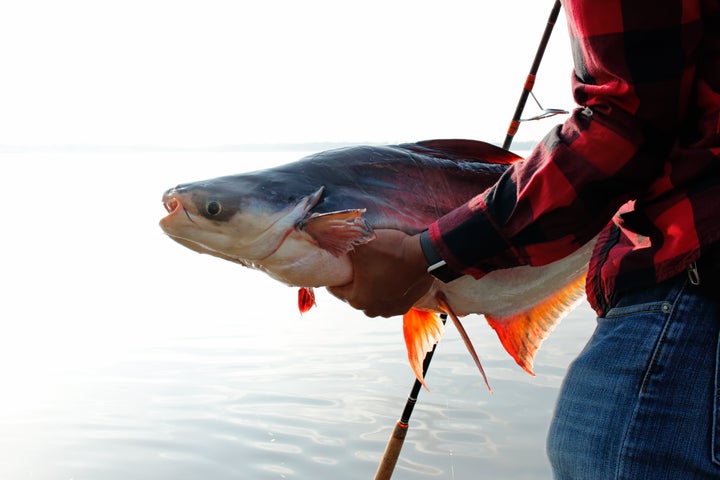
(509, 292)
(523, 304)
(298, 262)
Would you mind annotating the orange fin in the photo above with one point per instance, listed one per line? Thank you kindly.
(463, 333)
(422, 330)
(306, 299)
(338, 232)
(522, 334)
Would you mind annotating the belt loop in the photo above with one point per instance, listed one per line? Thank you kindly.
(693, 274)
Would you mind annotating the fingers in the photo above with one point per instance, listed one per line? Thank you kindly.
(347, 294)
(340, 293)
(371, 305)
(389, 275)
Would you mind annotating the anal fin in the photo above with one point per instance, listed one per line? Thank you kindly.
(522, 334)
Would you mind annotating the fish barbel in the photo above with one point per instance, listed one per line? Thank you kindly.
(298, 222)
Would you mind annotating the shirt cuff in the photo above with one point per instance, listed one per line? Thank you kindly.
(437, 267)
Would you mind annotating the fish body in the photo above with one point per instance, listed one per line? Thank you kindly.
(298, 222)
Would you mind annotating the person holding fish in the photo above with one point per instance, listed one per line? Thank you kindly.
(636, 170)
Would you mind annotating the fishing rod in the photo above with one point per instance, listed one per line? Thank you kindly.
(530, 82)
(397, 437)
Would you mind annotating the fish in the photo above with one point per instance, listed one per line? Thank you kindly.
(298, 223)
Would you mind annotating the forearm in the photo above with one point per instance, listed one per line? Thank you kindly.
(634, 85)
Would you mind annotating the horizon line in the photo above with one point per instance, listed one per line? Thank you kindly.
(241, 147)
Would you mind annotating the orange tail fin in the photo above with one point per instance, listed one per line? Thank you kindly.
(522, 334)
(422, 330)
(445, 306)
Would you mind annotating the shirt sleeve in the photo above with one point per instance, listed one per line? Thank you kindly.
(634, 66)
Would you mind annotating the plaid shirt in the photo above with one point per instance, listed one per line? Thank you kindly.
(637, 165)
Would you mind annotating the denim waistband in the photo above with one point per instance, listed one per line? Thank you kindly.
(702, 276)
(704, 280)
(656, 297)
(708, 273)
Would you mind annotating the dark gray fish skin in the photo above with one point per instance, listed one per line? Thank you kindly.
(404, 186)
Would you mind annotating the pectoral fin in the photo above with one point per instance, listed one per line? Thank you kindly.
(421, 330)
(522, 334)
(338, 232)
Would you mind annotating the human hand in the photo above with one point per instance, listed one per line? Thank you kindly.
(389, 275)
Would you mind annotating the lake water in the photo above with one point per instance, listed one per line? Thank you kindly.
(126, 356)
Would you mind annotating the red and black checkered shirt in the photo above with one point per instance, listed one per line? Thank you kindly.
(637, 165)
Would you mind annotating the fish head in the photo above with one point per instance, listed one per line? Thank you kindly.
(230, 218)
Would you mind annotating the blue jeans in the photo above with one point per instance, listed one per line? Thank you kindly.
(642, 400)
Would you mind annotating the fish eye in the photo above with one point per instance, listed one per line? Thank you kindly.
(213, 208)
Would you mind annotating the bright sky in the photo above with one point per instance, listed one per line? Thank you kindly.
(226, 72)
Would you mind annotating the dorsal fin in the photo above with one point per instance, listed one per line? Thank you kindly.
(471, 150)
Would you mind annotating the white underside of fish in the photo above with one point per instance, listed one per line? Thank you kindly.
(508, 292)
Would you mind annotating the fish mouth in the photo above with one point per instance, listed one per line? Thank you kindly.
(172, 205)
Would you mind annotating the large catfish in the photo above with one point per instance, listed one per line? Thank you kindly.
(297, 223)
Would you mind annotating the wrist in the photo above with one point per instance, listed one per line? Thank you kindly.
(436, 265)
